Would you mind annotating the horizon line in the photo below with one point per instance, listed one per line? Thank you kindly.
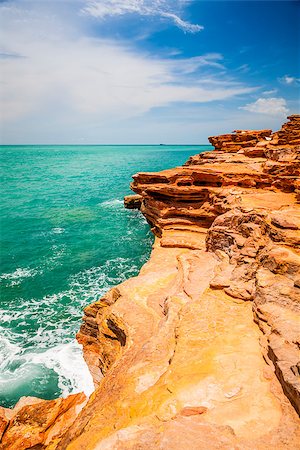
(105, 145)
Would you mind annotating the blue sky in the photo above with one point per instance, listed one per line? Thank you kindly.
(145, 71)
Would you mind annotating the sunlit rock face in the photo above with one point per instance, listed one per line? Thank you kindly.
(239, 139)
(201, 349)
(36, 423)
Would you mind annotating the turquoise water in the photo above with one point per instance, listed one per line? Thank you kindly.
(65, 240)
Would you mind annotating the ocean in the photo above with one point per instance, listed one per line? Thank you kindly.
(65, 240)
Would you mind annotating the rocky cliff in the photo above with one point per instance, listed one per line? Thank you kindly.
(201, 349)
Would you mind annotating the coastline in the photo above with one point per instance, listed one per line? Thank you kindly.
(175, 353)
(66, 240)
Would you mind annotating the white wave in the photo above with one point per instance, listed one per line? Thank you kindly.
(15, 278)
(58, 230)
(8, 351)
(57, 315)
(31, 352)
(141, 218)
(111, 203)
(18, 366)
(59, 252)
(18, 275)
(68, 362)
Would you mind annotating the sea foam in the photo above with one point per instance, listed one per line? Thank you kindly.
(68, 362)
(111, 203)
(18, 275)
(31, 355)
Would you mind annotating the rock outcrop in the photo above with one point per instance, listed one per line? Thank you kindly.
(231, 143)
(201, 349)
(36, 423)
(133, 201)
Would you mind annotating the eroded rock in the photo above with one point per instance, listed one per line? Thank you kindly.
(36, 423)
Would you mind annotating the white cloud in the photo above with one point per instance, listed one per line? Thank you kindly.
(58, 85)
(63, 74)
(166, 9)
(286, 79)
(244, 68)
(104, 79)
(191, 65)
(270, 92)
(271, 106)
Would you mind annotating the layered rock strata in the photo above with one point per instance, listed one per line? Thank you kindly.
(201, 349)
(231, 143)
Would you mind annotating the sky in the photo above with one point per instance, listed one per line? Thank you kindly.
(145, 71)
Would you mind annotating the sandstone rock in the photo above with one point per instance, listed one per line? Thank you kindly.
(34, 421)
(192, 410)
(5, 416)
(239, 139)
(195, 372)
(245, 223)
(195, 375)
(201, 349)
(133, 201)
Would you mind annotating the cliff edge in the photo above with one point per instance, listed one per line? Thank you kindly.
(201, 349)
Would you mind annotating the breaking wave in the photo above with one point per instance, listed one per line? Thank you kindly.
(34, 356)
(61, 366)
(15, 278)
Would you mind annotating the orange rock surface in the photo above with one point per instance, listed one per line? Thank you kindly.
(201, 349)
(35, 423)
(238, 139)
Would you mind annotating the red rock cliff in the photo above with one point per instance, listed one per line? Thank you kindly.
(202, 348)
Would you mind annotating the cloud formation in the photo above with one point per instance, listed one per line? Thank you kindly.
(61, 83)
(106, 79)
(68, 75)
(270, 92)
(165, 9)
(275, 106)
(286, 79)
